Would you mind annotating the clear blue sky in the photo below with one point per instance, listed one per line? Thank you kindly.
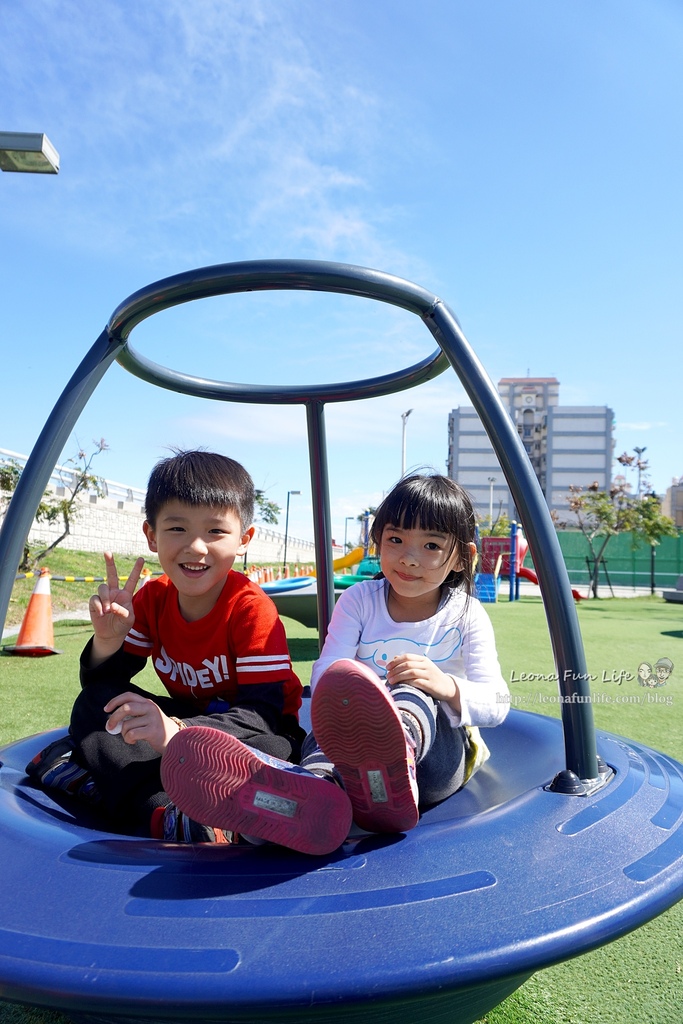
(522, 160)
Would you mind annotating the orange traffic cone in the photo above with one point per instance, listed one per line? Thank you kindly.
(36, 636)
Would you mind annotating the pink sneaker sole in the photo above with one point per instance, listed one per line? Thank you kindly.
(359, 728)
(218, 781)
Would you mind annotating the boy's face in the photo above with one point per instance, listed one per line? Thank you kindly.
(197, 547)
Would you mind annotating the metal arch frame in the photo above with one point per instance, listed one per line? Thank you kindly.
(265, 275)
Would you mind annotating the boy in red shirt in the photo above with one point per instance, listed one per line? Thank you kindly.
(216, 643)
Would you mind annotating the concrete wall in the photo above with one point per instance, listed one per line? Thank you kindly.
(108, 524)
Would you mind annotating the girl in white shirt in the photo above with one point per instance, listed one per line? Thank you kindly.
(409, 668)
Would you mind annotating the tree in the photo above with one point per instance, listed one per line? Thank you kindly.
(76, 477)
(500, 527)
(266, 511)
(601, 515)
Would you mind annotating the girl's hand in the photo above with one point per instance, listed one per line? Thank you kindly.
(424, 674)
(138, 718)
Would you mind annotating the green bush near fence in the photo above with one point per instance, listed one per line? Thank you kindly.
(628, 563)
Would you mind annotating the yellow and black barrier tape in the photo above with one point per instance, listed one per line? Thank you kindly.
(76, 579)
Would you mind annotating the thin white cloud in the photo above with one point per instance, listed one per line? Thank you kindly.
(642, 425)
(238, 104)
(280, 426)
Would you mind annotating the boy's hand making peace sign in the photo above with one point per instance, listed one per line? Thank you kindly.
(111, 610)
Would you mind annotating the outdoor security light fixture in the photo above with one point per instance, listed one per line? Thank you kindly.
(28, 152)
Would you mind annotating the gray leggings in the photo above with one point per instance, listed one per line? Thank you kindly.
(440, 757)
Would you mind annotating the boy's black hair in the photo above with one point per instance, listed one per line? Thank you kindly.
(201, 478)
(432, 502)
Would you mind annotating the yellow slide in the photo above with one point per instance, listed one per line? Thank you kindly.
(346, 561)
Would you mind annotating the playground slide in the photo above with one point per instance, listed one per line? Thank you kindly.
(346, 561)
(529, 574)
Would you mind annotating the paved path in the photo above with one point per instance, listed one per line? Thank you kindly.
(75, 613)
(532, 589)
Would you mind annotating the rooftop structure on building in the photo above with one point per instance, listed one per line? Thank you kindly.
(567, 446)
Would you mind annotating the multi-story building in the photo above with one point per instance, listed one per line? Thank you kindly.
(567, 445)
(672, 504)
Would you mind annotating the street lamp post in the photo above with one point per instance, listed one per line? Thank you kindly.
(284, 558)
(349, 519)
(28, 152)
(492, 481)
(404, 417)
(639, 452)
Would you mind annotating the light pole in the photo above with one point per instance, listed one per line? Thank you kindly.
(404, 417)
(28, 152)
(284, 558)
(492, 481)
(349, 519)
(639, 452)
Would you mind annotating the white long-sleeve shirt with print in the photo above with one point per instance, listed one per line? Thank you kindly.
(458, 638)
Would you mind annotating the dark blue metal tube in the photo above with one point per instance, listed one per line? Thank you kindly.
(267, 275)
(43, 459)
(322, 520)
(563, 624)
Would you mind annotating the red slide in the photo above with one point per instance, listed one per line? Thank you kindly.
(529, 574)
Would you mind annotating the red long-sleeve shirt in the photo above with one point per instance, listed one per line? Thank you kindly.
(240, 643)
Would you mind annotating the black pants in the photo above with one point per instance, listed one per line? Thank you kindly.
(127, 775)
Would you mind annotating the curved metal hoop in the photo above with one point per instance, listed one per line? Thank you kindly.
(265, 275)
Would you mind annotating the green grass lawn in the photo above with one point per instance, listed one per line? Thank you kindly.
(638, 978)
(65, 596)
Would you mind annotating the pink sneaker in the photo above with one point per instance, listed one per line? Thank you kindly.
(359, 728)
(218, 781)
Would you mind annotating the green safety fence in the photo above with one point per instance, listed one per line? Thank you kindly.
(629, 560)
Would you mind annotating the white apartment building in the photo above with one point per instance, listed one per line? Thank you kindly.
(567, 445)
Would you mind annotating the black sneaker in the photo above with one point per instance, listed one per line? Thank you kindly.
(54, 768)
(173, 826)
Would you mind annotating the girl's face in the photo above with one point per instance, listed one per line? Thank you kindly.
(416, 562)
(644, 670)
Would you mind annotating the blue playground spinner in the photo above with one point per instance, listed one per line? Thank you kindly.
(563, 841)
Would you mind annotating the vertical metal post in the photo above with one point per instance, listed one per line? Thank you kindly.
(284, 556)
(322, 524)
(404, 417)
(492, 481)
(513, 561)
